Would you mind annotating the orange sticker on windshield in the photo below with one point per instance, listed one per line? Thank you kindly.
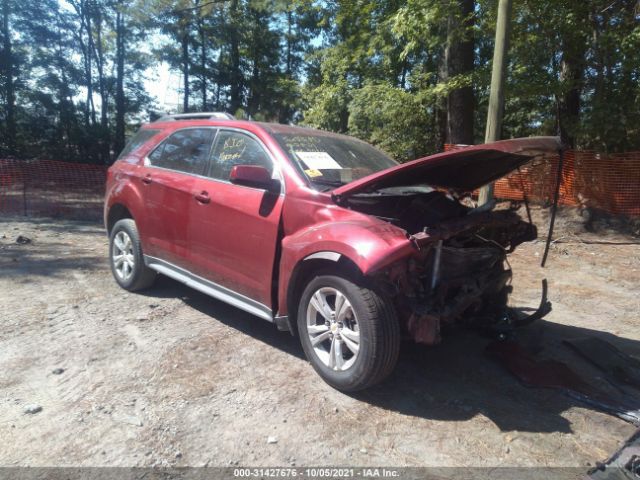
(313, 173)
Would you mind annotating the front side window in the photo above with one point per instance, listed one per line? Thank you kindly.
(185, 151)
(236, 148)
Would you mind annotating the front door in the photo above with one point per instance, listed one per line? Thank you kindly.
(234, 234)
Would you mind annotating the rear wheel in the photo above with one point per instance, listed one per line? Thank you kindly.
(126, 259)
(349, 334)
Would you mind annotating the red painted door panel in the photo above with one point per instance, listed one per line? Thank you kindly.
(234, 234)
(168, 197)
(170, 187)
(233, 238)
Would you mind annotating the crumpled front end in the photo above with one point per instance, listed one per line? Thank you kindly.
(458, 271)
(459, 274)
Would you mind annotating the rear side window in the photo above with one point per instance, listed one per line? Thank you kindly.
(139, 139)
(185, 151)
(235, 148)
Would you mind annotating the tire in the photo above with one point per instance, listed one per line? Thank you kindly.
(124, 237)
(367, 314)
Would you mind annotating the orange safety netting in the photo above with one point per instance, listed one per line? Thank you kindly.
(52, 188)
(610, 183)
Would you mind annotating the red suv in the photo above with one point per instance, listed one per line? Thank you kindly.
(320, 233)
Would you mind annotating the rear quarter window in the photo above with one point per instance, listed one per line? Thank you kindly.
(137, 141)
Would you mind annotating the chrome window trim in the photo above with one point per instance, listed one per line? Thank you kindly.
(276, 166)
(209, 288)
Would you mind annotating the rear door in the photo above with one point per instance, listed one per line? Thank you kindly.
(172, 178)
(234, 235)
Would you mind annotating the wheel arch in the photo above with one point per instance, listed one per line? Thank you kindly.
(117, 211)
(326, 262)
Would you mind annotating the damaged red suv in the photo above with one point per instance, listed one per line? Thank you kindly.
(320, 233)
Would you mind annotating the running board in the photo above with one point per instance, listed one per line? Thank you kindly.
(209, 288)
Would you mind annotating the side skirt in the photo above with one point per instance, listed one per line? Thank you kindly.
(209, 288)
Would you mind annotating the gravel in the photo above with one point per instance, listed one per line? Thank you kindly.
(237, 378)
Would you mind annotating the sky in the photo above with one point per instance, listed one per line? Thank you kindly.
(163, 85)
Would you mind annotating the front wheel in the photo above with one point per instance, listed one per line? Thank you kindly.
(348, 333)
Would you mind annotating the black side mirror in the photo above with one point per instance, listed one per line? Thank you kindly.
(253, 176)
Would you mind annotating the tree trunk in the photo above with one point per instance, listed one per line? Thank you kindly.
(460, 102)
(571, 80)
(9, 80)
(203, 63)
(81, 9)
(185, 70)
(440, 104)
(574, 43)
(90, 50)
(104, 98)
(66, 102)
(253, 102)
(289, 41)
(235, 75)
(118, 143)
(495, 109)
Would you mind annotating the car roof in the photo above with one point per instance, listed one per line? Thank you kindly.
(252, 126)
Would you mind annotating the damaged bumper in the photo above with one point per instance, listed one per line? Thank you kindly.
(459, 275)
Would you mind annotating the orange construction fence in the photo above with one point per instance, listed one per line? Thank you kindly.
(51, 188)
(610, 183)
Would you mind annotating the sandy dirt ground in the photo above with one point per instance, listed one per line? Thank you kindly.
(173, 378)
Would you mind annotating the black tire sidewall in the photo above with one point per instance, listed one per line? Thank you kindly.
(128, 226)
(350, 379)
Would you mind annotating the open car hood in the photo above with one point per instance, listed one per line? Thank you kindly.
(464, 169)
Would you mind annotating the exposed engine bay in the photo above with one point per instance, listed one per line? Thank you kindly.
(460, 273)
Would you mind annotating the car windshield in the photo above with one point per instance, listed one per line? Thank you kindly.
(330, 161)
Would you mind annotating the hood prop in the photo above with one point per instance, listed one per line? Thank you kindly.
(525, 197)
(554, 208)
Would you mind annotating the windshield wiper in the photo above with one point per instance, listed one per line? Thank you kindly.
(329, 183)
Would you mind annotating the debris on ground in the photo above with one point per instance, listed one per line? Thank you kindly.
(127, 419)
(272, 440)
(32, 409)
(22, 240)
(622, 465)
(617, 365)
(554, 374)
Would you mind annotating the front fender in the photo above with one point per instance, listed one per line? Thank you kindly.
(369, 246)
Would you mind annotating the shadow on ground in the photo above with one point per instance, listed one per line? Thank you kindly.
(453, 381)
(20, 261)
(36, 255)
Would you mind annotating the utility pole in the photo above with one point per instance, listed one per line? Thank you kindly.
(496, 97)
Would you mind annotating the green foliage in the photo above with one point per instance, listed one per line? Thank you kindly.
(379, 70)
(62, 51)
(393, 119)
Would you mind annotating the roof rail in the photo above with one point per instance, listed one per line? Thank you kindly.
(197, 116)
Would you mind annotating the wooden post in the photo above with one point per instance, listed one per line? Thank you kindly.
(496, 97)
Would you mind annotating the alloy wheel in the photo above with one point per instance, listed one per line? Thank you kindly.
(122, 255)
(333, 329)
